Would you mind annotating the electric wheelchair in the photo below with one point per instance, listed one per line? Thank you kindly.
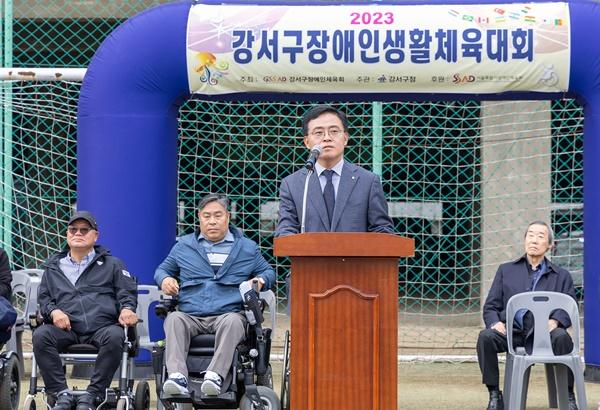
(127, 396)
(249, 384)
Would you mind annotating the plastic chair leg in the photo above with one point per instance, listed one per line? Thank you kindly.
(525, 388)
(517, 376)
(577, 369)
(508, 369)
(551, 382)
(562, 381)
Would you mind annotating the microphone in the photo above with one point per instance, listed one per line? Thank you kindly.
(310, 165)
(314, 155)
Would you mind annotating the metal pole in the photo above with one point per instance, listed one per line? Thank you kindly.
(42, 74)
(7, 117)
(377, 138)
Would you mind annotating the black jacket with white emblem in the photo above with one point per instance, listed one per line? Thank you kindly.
(96, 299)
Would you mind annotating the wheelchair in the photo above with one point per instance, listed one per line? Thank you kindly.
(127, 395)
(10, 378)
(24, 293)
(249, 384)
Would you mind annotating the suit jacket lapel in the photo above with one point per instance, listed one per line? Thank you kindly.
(348, 181)
(315, 195)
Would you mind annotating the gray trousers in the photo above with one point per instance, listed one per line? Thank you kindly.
(229, 329)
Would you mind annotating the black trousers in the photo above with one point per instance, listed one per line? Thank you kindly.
(49, 341)
(491, 342)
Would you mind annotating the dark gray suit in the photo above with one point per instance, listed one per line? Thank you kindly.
(360, 205)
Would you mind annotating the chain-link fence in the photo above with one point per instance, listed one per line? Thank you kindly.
(462, 178)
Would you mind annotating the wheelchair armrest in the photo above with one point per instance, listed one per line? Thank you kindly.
(35, 320)
(166, 306)
(134, 339)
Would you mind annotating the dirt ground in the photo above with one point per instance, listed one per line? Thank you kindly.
(421, 385)
(458, 386)
(432, 386)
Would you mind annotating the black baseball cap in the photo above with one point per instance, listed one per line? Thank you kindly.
(86, 216)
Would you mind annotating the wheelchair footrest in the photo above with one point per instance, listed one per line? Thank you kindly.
(200, 399)
(176, 398)
(227, 397)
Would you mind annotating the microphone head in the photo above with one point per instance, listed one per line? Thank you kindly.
(316, 150)
(314, 154)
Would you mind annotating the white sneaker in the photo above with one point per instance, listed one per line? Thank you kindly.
(211, 386)
(176, 384)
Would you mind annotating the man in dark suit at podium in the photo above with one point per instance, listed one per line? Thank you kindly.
(342, 197)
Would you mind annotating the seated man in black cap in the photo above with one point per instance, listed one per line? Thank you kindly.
(85, 296)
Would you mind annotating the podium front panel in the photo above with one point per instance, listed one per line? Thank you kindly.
(344, 315)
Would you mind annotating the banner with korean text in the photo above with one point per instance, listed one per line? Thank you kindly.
(490, 48)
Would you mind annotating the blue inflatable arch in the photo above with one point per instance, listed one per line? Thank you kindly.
(127, 136)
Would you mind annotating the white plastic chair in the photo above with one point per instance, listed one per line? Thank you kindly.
(147, 294)
(516, 377)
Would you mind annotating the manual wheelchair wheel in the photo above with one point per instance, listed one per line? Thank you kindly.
(141, 399)
(11, 385)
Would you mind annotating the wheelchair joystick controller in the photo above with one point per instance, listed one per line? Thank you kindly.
(252, 307)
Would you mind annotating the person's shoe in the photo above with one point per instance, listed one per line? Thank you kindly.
(64, 401)
(572, 402)
(211, 386)
(86, 402)
(496, 401)
(176, 384)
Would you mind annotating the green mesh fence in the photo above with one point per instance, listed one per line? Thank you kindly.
(462, 178)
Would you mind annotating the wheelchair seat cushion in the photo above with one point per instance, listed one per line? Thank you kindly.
(203, 340)
(81, 349)
(202, 345)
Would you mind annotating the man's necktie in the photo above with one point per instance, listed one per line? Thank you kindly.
(329, 193)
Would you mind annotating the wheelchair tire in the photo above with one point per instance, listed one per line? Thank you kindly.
(267, 396)
(141, 400)
(10, 388)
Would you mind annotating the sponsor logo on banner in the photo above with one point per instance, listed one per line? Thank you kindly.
(378, 48)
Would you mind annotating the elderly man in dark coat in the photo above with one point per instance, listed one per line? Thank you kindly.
(531, 271)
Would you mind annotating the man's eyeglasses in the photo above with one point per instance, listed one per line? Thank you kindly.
(332, 132)
(73, 230)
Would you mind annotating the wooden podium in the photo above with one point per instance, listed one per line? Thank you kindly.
(344, 319)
